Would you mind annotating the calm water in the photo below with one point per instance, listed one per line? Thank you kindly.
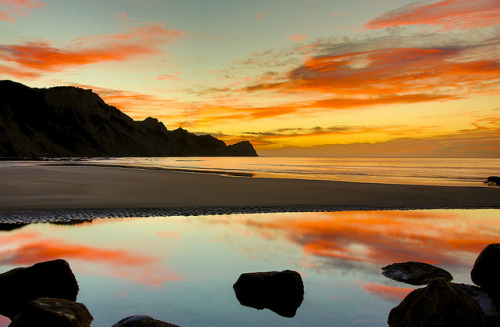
(463, 172)
(181, 269)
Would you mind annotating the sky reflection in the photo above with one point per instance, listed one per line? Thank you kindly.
(181, 269)
(437, 237)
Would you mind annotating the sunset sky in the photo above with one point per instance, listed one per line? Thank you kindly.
(311, 78)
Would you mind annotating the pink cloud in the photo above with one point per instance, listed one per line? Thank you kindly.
(259, 16)
(4, 321)
(340, 14)
(449, 14)
(42, 56)
(6, 17)
(123, 17)
(173, 77)
(297, 37)
(18, 8)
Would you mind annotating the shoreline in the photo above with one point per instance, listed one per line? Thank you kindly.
(73, 216)
(51, 191)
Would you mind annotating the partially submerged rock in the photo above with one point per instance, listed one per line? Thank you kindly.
(281, 292)
(19, 286)
(493, 181)
(54, 313)
(142, 321)
(486, 270)
(415, 273)
(440, 303)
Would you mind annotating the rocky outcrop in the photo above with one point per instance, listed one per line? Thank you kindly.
(441, 303)
(73, 122)
(20, 286)
(53, 312)
(281, 292)
(142, 321)
(414, 273)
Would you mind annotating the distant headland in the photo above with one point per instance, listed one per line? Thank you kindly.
(68, 121)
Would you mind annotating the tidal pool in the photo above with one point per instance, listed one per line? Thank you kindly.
(181, 269)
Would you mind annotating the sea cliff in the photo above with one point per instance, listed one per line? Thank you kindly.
(71, 121)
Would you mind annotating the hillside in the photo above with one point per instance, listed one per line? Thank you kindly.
(70, 121)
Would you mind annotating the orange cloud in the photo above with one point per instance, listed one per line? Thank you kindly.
(41, 56)
(388, 293)
(391, 71)
(18, 8)
(449, 14)
(297, 37)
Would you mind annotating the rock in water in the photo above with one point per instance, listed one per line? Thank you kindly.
(142, 321)
(493, 181)
(54, 313)
(281, 292)
(415, 273)
(19, 286)
(439, 304)
(486, 270)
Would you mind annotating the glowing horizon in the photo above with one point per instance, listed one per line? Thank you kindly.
(311, 78)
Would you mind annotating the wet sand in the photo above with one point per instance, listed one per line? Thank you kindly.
(79, 192)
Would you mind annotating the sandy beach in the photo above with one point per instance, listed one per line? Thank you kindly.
(85, 187)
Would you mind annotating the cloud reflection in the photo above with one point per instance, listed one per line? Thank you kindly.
(382, 237)
(30, 248)
(388, 293)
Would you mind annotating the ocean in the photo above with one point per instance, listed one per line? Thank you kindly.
(419, 171)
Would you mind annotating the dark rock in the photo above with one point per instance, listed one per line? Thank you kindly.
(487, 303)
(73, 122)
(486, 270)
(46, 279)
(281, 292)
(242, 149)
(142, 321)
(54, 313)
(439, 304)
(414, 273)
(493, 181)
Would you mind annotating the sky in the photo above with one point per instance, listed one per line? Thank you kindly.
(332, 78)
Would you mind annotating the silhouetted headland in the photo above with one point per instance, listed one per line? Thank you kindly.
(74, 122)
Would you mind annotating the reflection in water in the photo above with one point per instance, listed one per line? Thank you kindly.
(181, 269)
(382, 237)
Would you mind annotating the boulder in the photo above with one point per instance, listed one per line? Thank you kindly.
(281, 292)
(489, 305)
(19, 286)
(142, 321)
(439, 304)
(54, 313)
(493, 181)
(486, 270)
(415, 273)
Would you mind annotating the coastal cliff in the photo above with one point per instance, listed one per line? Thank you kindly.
(70, 121)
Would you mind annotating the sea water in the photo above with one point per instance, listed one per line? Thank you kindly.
(420, 171)
(181, 269)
